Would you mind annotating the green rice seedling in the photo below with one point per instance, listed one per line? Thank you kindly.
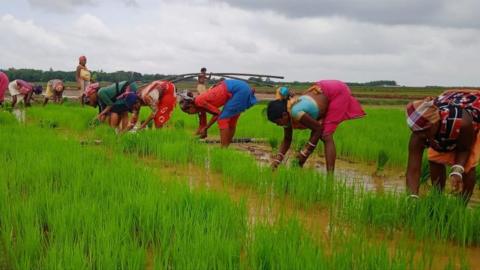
(425, 172)
(179, 124)
(273, 142)
(92, 210)
(286, 245)
(381, 161)
(6, 118)
(429, 218)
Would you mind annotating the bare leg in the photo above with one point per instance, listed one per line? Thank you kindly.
(438, 175)
(469, 180)
(330, 152)
(14, 101)
(202, 121)
(232, 133)
(27, 98)
(225, 137)
(124, 121)
(114, 120)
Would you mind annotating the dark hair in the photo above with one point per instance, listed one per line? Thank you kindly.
(185, 105)
(275, 109)
(186, 100)
(37, 89)
(203, 69)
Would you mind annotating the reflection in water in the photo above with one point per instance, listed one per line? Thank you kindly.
(19, 114)
(269, 208)
(355, 174)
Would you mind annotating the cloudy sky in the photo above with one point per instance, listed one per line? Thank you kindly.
(426, 42)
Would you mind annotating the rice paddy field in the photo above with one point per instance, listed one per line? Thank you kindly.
(78, 196)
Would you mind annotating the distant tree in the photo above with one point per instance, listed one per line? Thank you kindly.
(255, 79)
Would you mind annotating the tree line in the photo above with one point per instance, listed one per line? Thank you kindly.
(35, 75)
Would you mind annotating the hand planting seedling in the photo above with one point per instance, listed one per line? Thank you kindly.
(94, 123)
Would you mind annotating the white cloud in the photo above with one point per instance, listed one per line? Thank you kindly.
(60, 5)
(131, 3)
(91, 27)
(173, 37)
(26, 33)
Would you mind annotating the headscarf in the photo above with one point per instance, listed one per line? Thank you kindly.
(91, 89)
(421, 114)
(284, 93)
(185, 99)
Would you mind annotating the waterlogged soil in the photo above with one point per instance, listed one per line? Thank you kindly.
(262, 207)
(269, 208)
(19, 115)
(353, 173)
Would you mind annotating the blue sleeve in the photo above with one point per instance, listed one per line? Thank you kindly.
(297, 111)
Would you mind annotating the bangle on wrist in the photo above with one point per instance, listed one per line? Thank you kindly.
(457, 174)
(304, 154)
(458, 168)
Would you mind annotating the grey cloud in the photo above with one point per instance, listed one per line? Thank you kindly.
(448, 13)
(59, 5)
(131, 3)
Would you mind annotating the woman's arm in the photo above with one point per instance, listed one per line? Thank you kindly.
(287, 141)
(134, 119)
(414, 167)
(316, 133)
(150, 102)
(464, 145)
(77, 74)
(212, 121)
(465, 140)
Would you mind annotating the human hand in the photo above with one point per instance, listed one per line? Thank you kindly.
(274, 164)
(457, 183)
(202, 133)
(302, 158)
(101, 117)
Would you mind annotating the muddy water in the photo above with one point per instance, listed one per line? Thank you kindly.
(262, 208)
(316, 220)
(19, 114)
(353, 173)
(267, 208)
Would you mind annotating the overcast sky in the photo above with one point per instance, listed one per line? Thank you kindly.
(415, 42)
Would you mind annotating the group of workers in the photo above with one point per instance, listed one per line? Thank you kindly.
(447, 125)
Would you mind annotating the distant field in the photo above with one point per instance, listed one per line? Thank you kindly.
(372, 95)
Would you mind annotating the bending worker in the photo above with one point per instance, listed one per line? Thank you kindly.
(161, 98)
(106, 96)
(321, 109)
(448, 126)
(54, 91)
(3, 86)
(23, 89)
(235, 96)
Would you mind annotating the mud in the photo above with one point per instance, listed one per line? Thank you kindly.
(353, 173)
(19, 114)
